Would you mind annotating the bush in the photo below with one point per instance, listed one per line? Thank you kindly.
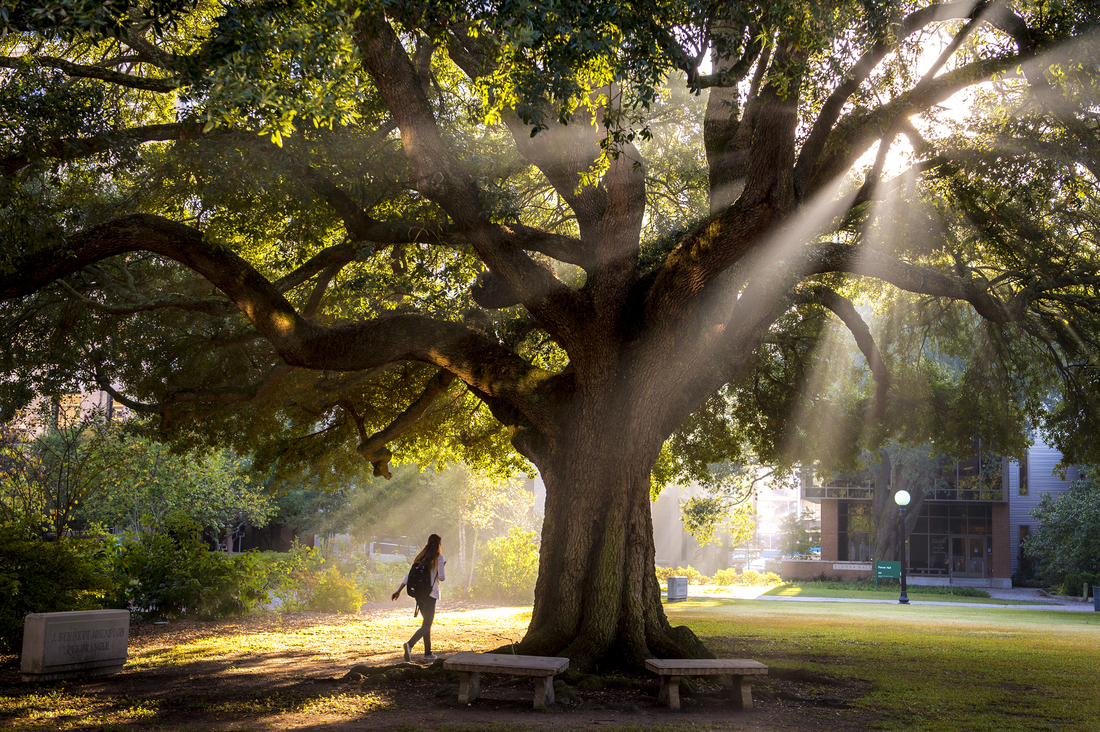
(693, 575)
(752, 578)
(171, 573)
(725, 577)
(377, 580)
(1067, 542)
(1075, 583)
(334, 593)
(39, 576)
(509, 566)
(292, 576)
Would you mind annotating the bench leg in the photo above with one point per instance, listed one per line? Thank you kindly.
(741, 691)
(670, 692)
(469, 686)
(544, 691)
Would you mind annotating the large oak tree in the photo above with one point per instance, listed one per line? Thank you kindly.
(398, 224)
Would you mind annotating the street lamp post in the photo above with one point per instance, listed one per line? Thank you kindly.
(902, 499)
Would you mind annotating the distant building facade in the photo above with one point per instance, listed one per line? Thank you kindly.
(968, 531)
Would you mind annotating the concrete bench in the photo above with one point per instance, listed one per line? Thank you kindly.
(740, 672)
(73, 644)
(470, 665)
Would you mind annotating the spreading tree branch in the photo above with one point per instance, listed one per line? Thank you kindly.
(830, 113)
(117, 78)
(441, 178)
(346, 346)
(82, 147)
(373, 447)
(843, 308)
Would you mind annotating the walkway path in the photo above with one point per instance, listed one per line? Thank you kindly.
(698, 592)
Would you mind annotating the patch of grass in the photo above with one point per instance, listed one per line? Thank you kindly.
(60, 708)
(276, 702)
(519, 727)
(887, 585)
(346, 704)
(867, 591)
(930, 667)
(346, 639)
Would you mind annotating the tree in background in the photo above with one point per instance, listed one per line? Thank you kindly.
(422, 228)
(1067, 541)
(88, 470)
(798, 535)
(483, 502)
(918, 470)
(726, 503)
(149, 487)
(51, 473)
(510, 567)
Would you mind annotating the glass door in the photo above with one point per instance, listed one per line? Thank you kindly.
(976, 556)
(958, 556)
(968, 556)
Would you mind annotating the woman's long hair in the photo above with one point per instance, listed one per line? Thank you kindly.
(430, 552)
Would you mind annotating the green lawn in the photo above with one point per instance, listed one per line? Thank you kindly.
(929, 667)
(888, 592)
(915, 667)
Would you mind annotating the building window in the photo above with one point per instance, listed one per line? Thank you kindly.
(856, 532)
(1023, 477)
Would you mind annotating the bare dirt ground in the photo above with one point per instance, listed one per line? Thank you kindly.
(171, 684)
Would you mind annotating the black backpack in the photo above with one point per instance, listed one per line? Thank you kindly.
(420, 580)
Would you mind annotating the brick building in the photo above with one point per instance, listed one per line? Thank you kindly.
(968, 529)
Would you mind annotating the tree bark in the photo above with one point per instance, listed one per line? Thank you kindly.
(597, 600)
(894, 476)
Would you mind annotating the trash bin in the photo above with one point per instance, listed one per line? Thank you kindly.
(677, 589)
(1096, 598)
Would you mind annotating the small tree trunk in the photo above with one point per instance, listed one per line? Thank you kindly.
(473, 560)
(462, 552)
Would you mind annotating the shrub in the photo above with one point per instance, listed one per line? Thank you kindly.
(377, 580)
(693, 575)
(1067, 541)
(171, 573)
(334, 593)
(508, 567)
(292, 576)
(1075, 583)
(725, 577)
(232, 585)
(39, 576)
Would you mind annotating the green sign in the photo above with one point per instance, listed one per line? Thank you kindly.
(887, 570)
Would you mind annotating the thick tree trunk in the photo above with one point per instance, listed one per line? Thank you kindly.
(597, 600)
(893, 478)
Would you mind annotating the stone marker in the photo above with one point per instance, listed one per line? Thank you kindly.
(677, 589)
(74, 644)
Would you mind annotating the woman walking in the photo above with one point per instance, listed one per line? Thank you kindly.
(427, 572)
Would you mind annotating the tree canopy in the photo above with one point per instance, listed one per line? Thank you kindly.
(621, 240)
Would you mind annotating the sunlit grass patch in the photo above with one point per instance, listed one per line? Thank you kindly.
(889, 591)
(346, 704)
(930, 667)
(345, 641)
(46, 705)
(64, 709)
(916, 592)
(277, 702)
